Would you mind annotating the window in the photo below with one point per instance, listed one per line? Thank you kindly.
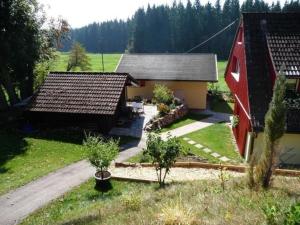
(240, 37)
(236, 69)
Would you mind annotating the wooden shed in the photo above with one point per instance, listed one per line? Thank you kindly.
(84, 99)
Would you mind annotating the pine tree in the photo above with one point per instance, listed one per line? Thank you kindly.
(275, 120)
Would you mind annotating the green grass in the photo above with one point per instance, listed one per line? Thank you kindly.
(26, 158)
(110, 62)
(218, 138)
(187, 119)
(197, 202)
(222, 86)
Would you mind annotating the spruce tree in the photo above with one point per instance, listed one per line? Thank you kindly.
(275, 120)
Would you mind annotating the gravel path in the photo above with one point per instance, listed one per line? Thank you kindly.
(176, 174)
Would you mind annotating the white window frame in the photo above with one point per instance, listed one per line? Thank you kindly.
(236, 72)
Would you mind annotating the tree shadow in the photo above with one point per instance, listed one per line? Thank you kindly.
(74, 136)
(12, 145)
(83, 220)
(103, 187)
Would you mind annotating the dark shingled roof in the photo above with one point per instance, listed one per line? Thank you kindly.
(80, 92)
(279, 35)
(184, 67)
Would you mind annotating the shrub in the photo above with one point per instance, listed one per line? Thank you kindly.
(163, 154)
(162, 94)
(234, 121)
(101, 152)
(163, 109)
(272, 214)
(293, 215)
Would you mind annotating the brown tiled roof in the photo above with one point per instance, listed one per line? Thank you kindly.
(285, 50)
(277, 33)
(80, 92)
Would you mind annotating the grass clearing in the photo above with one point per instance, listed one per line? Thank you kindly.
(187, 119)
(24, 158)
(110, 62)
(202, 202)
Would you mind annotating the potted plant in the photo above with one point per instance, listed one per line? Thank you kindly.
(101, 154)
(234, 121)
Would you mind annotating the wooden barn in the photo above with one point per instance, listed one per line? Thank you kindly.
(84, 99)
(187, 75)
(265, 42)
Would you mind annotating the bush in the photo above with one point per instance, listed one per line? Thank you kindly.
(101, 152)
(272, 214)
(163, 154)
(293, 215)
(163, 109)
(162, 94)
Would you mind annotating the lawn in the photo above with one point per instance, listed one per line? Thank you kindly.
(197, 202)
(187, 119)
(219, 105)
(218, 138)
(24, 158)
(110, 62)
(222, 86)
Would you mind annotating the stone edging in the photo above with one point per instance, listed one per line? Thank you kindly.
(235, 168)
(167, 119)
(133, 179)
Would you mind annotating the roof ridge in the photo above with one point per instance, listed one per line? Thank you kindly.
(86, 72)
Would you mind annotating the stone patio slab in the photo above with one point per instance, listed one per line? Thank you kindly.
(207, 150)
(191, 142)
(199, 146)
(224, 159)
(216, 155)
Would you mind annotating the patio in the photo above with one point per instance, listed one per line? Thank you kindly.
(136, 127)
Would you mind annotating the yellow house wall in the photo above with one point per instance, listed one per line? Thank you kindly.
(287, 142)
(193, 93)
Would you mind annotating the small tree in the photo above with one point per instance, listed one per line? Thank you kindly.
(163, 154)
(274, 129)
(78, 58)
(162, 94)
(101, 152)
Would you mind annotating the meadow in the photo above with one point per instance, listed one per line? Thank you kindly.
(110, 62)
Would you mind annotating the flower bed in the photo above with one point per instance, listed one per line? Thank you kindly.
(173, 115)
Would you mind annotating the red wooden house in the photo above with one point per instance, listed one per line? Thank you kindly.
(264, 43)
